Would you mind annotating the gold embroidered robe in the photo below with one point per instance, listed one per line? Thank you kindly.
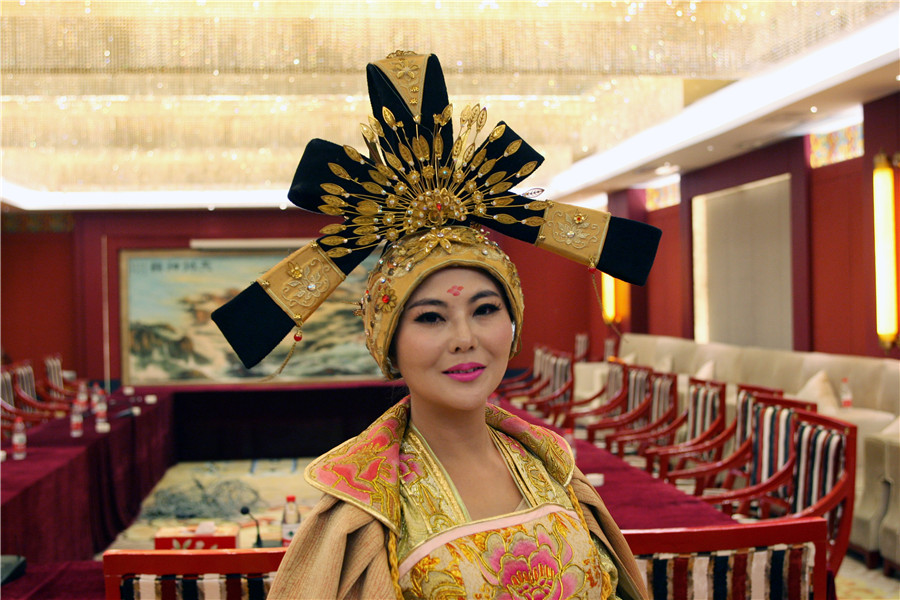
(341, 548)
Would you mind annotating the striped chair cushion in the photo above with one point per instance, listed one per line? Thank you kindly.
(637, 387)
(744, 417)
(781, 571)
(6, 388)
(820, 463)
(53, 368)
(615, 380)
(703, 408)
(662, 396)
(25, 380)
(192, 587)
(772, 445)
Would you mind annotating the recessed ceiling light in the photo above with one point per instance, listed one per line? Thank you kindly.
(666, 169)
(813, 109)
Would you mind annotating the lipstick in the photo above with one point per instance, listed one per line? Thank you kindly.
(465, 371)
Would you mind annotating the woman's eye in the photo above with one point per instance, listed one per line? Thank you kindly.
(487, 309)
(428, 317)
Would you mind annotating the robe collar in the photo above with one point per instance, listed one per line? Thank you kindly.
(364, 470)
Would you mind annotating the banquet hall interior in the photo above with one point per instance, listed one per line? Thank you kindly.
(147, 150)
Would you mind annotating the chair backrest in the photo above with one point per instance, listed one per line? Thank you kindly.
(54, 373)
(561, 373)
(229, 574)
(773, 430)
(582, 345)
(775, 559)
(664, 393)
(706, 402)
(825, 476)
(6, 387)
(25, 379)
(746, 394)
(615, 379)
(638, 386)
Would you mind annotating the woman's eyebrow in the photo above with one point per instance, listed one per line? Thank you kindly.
(441, 304)
(484, 294)
(427, 302)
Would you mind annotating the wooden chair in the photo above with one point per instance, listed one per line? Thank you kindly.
(530, 375)
(817, 479)
(556, 396)
(30, 414)
(702, 419)
(536, 383)
(230, 574)
(54, 385)
(690, 459)
(609, 400)
(635, 411)
(775, 559)
(25, 394)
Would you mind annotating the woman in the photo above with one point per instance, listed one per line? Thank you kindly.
(445, 495)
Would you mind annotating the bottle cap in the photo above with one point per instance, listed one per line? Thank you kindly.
(19, 420)
(291, 498)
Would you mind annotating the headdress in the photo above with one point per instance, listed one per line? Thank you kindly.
(421, 191)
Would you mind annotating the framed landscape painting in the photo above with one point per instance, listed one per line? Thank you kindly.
(167, 297)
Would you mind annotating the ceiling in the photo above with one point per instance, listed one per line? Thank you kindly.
(208, 103)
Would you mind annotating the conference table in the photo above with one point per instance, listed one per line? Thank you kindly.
(70, 497)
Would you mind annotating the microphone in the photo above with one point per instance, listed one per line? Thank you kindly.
(246, 511)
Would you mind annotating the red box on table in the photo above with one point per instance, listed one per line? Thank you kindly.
(186, 538)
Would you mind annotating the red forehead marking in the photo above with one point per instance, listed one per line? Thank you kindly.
(455, 290)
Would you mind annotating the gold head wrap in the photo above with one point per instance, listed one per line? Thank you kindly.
(420, 191)
(411, 260)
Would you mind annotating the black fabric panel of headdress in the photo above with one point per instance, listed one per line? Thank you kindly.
(253, 324)
(382, 93)
(511, 164)
(629, 250)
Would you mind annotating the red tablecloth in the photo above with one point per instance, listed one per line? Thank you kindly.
(635, 499)
(70, 497)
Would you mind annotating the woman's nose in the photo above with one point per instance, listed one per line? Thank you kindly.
(463, 336)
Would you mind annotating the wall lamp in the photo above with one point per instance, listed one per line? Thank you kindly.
(886, 314)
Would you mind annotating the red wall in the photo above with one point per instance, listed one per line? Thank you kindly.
(665, 295)
(38, 315)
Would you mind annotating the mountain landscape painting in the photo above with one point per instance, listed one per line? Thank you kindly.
(168, 336)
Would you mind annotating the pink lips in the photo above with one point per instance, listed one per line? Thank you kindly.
(465, 371)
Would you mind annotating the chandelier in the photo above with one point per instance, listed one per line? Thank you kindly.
(224, 94)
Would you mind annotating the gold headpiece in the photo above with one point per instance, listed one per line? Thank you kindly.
(417, 182)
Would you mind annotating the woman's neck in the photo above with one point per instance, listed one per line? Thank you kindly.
(453, 435)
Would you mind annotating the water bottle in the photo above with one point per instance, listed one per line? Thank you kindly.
(81, 399)
(846, 394)
(76, 421)
(19, 439)
(290, 521)
(100, 423)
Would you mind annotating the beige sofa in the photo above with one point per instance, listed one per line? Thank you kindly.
(814, 376)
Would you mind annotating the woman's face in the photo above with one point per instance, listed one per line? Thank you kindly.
(453, 340)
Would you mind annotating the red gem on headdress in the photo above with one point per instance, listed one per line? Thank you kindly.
(298, 337)
(592, 269)
(385, 298)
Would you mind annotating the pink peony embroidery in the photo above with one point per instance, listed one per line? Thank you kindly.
(538, 567)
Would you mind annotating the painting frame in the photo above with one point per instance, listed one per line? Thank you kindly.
(167, 337)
